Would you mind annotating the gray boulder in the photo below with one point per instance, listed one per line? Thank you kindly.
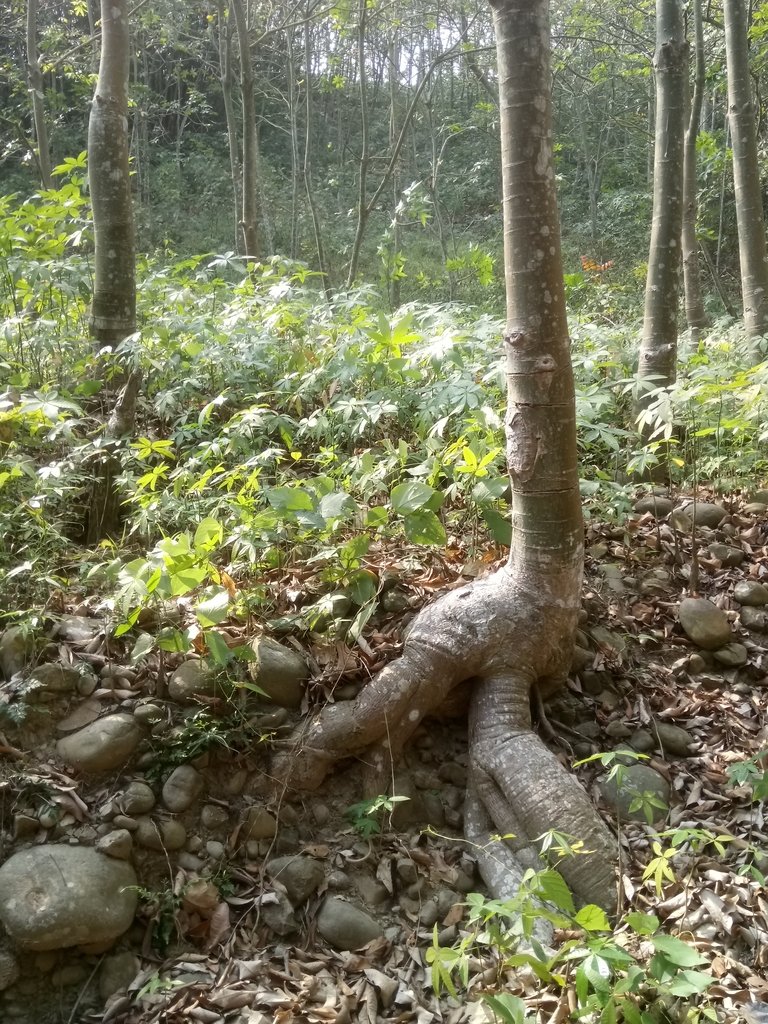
(15, 650)
(301, 876)
(279, 672)
(56, 896)
(704, 623)
(182, 788)
(706, 514)
(657, 505)
(751, 593)
(190, 680)
(673, 739)
(103, 745)
(346, 926)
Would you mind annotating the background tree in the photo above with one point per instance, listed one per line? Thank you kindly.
(508, 632)
(37, 96)
(694, 301)
(658, 348)
(753, 255)
(113, 308)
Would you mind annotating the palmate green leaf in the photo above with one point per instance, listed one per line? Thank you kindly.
(208, 535)
(142, 647)
(593, 919)
(218, 650)
(363, 586)
(676, 951)
(337, 505)
(689, 983)
(410, 496)
(552, 887)
(289, 499)
(643, 924)
(423, 527)
(509, 1009)
(184, 580)
(214, 606)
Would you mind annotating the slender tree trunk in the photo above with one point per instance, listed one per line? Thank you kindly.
(753, 256)
(317, 231)
(227, 85)
(251, 190)
(37, 97)
(505, 632)
(113, 310)
(694, 302)
(363, 209)
(658, 349)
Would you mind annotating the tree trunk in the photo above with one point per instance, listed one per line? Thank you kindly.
(317, 232)
(249, 222)
(746, 173)
(37, 97)
(511, 630)
(694, 302)
(225, 72)
(658, 348)
(113, 310)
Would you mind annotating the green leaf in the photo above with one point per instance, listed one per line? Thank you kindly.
(689, 983)
(410, 496)
(509, 1009)
(142, 647)
(208, 535)
(187, 579)
(363, 586)
(643, 924)
(173, 640)
(360, 620)
(424, 528)
(218, 650)
(289, 499)
(552, 888)
(677, 951)
(593, 919)
(337, 505)
(499, 526)
(214, 607)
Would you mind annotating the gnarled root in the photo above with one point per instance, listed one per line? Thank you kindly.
(504, 632)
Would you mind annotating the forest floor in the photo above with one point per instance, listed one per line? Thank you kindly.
(219, 937)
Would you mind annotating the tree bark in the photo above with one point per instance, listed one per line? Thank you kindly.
(694, 303)
(509, 631)
(658, 348)
(37, 97)
(226, 77)
(753, 256)
(113, 309)
(250, 163)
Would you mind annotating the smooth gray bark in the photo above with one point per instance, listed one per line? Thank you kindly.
(753, 256)
(250, 162)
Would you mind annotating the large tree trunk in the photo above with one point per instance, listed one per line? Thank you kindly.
(694, 303)
(746, 172)
(113, 309)
(511, 630)
(658, 348)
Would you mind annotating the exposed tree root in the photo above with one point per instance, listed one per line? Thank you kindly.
(505, 633)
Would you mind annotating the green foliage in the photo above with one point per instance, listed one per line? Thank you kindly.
(751, 773)
(367, 815)
(630, 973)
